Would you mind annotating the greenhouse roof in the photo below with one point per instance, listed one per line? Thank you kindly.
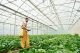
(57, 14)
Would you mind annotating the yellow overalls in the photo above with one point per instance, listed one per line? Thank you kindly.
(25, 39)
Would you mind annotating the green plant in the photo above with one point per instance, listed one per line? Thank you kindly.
(42, 44)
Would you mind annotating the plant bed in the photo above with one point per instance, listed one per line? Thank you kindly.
(64, 43)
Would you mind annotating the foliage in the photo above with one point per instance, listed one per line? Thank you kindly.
(64, 43)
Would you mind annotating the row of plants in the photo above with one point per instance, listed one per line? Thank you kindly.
(64, 43)
(9, 43)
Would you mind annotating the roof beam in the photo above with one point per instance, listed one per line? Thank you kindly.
(30, 11)
(42, 13)
(59, 21)
(23, 15)
(74, 23)
(72, 11)
(63, 4)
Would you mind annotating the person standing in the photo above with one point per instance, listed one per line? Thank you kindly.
(25, 37)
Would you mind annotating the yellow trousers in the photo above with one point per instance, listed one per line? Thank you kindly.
(25, 39)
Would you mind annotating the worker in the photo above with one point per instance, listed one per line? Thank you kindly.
(25, 37)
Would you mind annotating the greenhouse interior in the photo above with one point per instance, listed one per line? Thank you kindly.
(39, 26)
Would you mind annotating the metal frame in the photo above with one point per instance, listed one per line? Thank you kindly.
(52, 5)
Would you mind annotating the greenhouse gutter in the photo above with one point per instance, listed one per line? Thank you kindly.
(24, 15)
